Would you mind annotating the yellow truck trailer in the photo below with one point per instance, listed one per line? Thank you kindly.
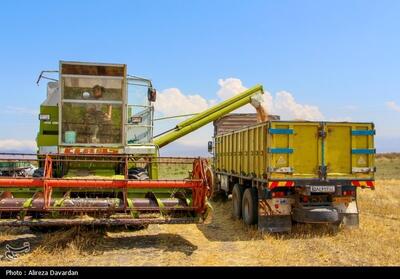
(302, 171)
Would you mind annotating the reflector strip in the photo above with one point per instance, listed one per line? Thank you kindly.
(363, 132)
(370, 184)
(356, 183)
(274, 184)
(363, 151)
(281, 131)
(280, 150)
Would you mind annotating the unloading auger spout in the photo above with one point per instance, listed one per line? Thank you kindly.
(251, 95)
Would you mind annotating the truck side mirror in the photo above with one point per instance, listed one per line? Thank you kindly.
(210, 147)
(151, 94)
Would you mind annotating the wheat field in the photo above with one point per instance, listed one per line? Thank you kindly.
(224, 241)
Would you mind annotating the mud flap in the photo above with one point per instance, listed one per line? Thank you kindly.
(316, 215)
(350, 220)
(275, 224)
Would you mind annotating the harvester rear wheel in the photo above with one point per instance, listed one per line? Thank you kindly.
(237, 195)
(250, 206)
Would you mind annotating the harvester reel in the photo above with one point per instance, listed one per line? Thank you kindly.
(209, 175)
(201, 170)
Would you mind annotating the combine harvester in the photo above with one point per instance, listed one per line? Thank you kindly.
(98, 161)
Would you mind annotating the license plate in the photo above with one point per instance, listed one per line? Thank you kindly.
(322, 189)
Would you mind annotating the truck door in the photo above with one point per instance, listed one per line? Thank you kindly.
(294, 150)
(349, 150)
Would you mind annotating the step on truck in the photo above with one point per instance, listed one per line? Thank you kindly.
(281, 172)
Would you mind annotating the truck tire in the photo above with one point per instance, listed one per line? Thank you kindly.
(250, 206)
(237, 195)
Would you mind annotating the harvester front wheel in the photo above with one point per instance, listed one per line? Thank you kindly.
(237, 195)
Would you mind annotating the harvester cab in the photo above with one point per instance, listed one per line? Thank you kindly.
(97, 108)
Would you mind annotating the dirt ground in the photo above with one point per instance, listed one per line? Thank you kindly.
(224, 241)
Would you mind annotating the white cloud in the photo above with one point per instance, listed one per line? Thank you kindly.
(393, 106)
(232, 86)
(229, 87)
(286, 106)
(283, 104)
(17, 145)
(172, 102)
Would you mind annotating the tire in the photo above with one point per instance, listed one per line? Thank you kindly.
(237, 195)
(138, 173)
(250, 206)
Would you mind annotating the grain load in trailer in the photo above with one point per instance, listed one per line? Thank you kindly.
(303, 171)
(235, 121)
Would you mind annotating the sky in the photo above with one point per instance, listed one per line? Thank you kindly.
(317, 60)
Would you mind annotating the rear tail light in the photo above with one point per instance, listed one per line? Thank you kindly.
(349, 193)
(273, 184)
(278, 194)
(305, 199)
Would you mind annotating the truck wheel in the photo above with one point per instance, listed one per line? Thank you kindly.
(250, 206)
(237, 194)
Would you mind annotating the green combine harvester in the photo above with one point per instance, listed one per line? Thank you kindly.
(98, 161)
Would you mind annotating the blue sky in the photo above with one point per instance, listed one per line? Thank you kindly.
(341, 57)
